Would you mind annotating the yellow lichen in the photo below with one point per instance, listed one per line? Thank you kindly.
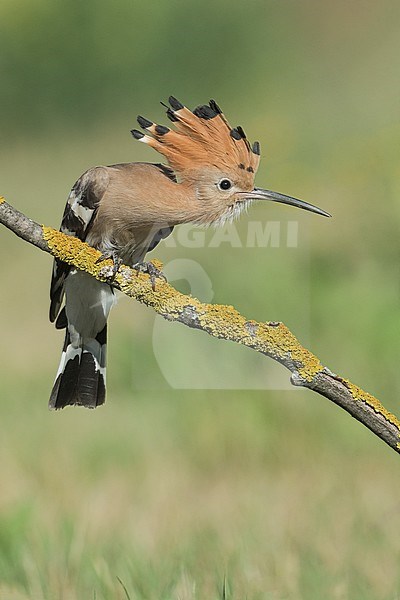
(2, 199)
(360, 396)
(71, 250)
(157, 263)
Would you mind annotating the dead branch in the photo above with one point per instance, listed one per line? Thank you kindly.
(271, 339)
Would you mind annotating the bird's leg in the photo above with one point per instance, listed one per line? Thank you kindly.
(151, 270)
(117, 261)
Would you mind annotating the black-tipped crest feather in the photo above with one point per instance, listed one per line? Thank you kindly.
(205, 112)
(143, 122)
(138, 135)
(175, 104)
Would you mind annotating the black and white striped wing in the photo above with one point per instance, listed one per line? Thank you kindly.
(78, 217)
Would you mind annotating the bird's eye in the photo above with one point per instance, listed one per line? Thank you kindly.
(225, 184)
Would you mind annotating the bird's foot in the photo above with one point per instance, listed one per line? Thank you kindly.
(150, 269)
(117, 262)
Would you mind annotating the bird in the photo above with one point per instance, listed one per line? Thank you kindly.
(124, 210)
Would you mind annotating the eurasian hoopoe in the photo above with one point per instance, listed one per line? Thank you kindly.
(124, 210)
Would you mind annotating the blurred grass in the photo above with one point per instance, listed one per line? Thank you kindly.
(173, 491)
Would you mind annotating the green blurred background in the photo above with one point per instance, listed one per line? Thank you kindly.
(172, 492)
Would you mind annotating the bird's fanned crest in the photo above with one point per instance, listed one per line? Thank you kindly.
(200, 138)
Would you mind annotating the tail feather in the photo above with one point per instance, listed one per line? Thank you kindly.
(81, 375)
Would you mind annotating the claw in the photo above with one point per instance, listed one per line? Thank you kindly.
(117, 262)
(152, 271)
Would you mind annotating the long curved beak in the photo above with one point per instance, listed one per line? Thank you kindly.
(260, 194)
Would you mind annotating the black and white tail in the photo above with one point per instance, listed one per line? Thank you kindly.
(81, 376)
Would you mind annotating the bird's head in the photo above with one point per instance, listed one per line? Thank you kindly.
(215, 161)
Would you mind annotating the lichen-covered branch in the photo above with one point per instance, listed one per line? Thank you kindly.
(269, 338)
